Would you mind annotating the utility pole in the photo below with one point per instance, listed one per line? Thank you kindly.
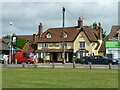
(11, 47)
(63, 55)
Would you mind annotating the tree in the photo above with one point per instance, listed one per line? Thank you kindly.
(7, 36)
(20, 43)
(95, 27)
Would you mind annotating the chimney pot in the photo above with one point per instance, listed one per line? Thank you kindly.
(99, 24)
(80, 22)
(79, 18)
(40, 23)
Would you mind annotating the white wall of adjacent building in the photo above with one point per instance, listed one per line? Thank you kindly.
(114, 51)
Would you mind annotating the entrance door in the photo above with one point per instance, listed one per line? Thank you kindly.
(81, 54)
(55, 57)
(70, 57)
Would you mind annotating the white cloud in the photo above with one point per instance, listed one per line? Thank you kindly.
(26, 16)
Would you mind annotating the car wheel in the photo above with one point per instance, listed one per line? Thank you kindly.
(28, 62)
(12, 62)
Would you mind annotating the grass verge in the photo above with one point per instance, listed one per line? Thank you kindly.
(59, 78)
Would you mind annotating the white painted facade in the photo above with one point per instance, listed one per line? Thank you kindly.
(114, 51)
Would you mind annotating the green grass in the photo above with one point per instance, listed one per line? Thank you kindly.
(58, 78)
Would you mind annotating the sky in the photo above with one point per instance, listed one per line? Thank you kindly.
(27, 15)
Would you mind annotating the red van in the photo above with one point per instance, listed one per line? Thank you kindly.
(23, 57)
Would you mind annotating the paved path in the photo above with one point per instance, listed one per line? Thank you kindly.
(67, 65)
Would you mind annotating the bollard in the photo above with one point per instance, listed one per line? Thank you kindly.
(53, 65)
(23, 65)
(74, 64)
(5, 60)
(110, 65)
(35, 65)
(90, 65)
(16, 61)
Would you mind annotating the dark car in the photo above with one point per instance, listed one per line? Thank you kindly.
(1, 59)
(98, 60)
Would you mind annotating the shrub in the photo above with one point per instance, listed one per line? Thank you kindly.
(40, 60)
(44, 59)
(78, 60)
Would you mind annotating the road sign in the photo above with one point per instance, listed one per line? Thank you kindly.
(10, 45)
(14, 39)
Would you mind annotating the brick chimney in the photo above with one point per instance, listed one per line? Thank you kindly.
(34, 37)
(99, 32)
(80, 22)
(40, 30)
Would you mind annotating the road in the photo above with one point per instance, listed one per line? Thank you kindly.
(60, 65)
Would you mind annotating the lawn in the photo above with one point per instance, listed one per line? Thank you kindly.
(59, 78)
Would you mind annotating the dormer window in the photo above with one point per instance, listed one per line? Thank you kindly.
(65, 35)
(48, 35)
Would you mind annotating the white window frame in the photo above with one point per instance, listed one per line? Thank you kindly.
(65, 35)
(48, 35)
(82, 45)
(65, 44)
(45, 45)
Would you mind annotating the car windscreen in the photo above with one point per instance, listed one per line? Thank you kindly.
(26, 55)
(30, 54)
(105, 57)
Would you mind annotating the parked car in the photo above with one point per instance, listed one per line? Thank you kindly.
(1, 59)
(98, 60)
(23, 57)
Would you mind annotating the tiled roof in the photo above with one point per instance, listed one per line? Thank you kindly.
(55, 50)
(72, 32)
(113, 31)
(4, 47)
(28, 47)
(91, 34)
(4, 40)
(27, 37)
(80, 50)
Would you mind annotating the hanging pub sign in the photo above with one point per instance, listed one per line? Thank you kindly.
(14, 39)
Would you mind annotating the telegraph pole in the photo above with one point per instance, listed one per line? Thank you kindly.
(63, 55)
(10, 47)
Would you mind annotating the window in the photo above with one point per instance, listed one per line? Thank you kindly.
(65, 45)
(82, 45)
(25, 55)
(48, 35)
(65, 35)
(45, 45)
(44, 55)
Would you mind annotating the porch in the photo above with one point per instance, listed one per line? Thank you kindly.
(55, 55)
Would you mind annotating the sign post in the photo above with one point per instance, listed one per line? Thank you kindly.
(10, 46)
(14, 43)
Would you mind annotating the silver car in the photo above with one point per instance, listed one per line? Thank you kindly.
(1, 59)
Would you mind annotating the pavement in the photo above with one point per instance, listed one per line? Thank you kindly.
(60, 65)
